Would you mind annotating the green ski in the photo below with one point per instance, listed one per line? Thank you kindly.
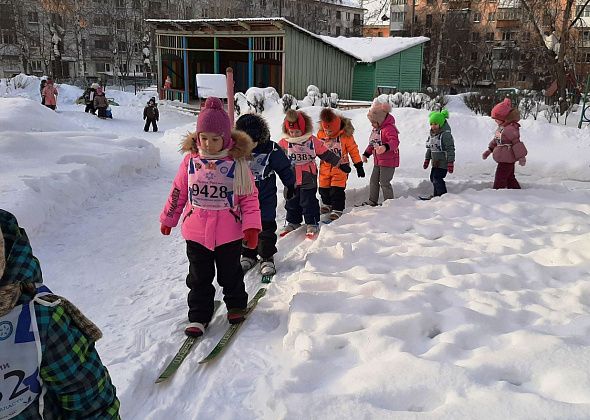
(233, 329)
(182, 353)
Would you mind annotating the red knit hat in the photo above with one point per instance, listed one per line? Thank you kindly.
(294, 121)
(501, 110)
(330, 121)
(213, 119)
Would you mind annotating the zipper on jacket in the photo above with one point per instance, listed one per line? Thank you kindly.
(235, 215)
(188, 214)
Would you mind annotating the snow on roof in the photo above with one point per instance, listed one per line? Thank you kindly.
(252, 20)
(371, 49)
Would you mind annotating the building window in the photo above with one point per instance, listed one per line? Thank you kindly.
(357, 19)
(138, 68)
(398, 16)
(346, 31)
(588, 57)
(103, 67)
(102, 43)
(475, 36)
(120, 24)
(586, 36)
(489, 36)
(36, 65)
(338, 14)
(100, 20)
(7, 37)
(348, 16)
(337, 30)
(508, 14)
(122, 46)
(507, 36)
(430, 2)
(33, 17)
(477, 17)
(120, 4)
(585, 13)
(491, 17)
(379, 34)
(428, 21)
(6, 19)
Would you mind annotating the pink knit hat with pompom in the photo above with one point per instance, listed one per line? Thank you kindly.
(214, 119)
(378, 112)
(501, 110)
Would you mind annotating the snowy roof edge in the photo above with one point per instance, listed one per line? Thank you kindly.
(269, 19)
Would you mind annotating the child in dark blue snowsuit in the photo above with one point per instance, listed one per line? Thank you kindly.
(268, 161)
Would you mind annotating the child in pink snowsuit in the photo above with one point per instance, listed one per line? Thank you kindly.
(384, 147)
(214, 191)
(506, 147)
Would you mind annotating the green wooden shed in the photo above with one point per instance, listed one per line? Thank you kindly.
(262, 52)
(394, 62)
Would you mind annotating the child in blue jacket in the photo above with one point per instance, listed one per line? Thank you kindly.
(268, 161)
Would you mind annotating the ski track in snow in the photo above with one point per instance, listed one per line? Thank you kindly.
(456, 289)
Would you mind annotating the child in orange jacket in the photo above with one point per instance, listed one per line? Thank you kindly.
(337, 135)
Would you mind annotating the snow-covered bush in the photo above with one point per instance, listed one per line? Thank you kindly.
(289, 102)
(255, 100)
(313, 98)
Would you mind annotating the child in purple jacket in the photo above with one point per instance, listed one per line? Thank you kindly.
(384, 147)
(214, 192)
(506, 147)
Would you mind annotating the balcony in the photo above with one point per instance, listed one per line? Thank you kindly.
(508, 24)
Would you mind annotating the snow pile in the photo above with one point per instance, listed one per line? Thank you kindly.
(21, 114)
(47, 171)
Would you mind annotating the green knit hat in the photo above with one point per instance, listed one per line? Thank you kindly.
(438, 118)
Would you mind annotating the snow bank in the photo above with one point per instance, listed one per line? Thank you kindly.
(47, 171)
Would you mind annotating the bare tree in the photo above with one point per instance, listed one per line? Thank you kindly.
(553, 17)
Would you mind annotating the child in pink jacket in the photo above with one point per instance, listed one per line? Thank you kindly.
(506, 147)
(384, 147)
(214, 191)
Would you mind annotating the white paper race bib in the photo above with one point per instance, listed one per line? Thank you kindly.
(258, 165)
(211, 183)
(20, 356)
(301, 154)
(375, 139)
(434, 143)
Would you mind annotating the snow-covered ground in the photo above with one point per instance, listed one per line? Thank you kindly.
(472, 306)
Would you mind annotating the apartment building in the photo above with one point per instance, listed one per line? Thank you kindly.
(491, 42)
(91, 39)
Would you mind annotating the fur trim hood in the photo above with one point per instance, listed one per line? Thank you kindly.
(242, 148)
(328, 115)
(293, 115)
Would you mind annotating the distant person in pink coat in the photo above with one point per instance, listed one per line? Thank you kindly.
(506, 147)
(215, 194)
(49, 94)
